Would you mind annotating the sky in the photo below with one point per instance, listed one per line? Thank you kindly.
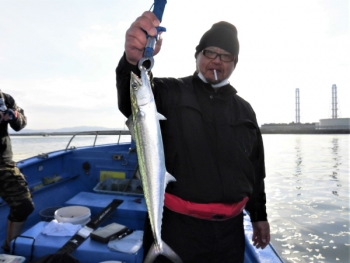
(58, 57)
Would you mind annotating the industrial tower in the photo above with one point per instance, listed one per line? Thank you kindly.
(297, 106)
(334, 102)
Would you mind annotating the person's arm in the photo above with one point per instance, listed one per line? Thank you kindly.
(20, 120)
(257, 203)
(135, 43)
(123, 85)
(16, 119)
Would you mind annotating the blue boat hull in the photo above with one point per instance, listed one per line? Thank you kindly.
(70, 177)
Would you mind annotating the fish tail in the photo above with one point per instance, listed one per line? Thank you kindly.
(153, 253)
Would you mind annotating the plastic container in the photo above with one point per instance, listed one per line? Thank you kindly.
(73, 214)
(120, 186)
(48, 214)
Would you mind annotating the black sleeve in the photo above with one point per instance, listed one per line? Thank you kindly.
(256, 205)
(123, 85)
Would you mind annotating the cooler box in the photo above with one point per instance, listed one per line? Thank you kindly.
(120, 186)
(33, 244)
(131, 213)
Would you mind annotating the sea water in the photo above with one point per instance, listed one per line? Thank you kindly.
(307, 188)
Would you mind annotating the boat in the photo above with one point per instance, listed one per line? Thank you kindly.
(91, 176)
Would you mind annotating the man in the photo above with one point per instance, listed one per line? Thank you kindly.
(13, 186)
(213, 147)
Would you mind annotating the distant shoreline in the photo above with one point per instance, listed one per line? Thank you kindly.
(308, 132)
(326, 126)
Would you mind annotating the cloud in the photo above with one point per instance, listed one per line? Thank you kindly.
(58, 57)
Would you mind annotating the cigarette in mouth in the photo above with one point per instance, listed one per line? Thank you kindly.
(216, 76)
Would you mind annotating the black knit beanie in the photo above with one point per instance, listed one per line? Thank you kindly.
(222, 35)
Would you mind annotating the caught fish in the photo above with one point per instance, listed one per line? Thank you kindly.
(144, 126)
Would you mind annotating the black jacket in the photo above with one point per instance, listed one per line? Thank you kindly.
(16, 124)
(212, 142)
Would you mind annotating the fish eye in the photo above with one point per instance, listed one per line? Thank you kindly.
(134, 85)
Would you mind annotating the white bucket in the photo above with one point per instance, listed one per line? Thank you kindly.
(73, 214)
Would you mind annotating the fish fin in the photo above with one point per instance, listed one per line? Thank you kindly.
(153, 253)
(170, 254)
(160, 117)
(140, 116)
(129, 124)
(169, 178)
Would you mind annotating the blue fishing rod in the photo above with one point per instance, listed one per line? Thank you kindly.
(158, 10)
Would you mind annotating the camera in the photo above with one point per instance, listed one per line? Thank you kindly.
(4, 110)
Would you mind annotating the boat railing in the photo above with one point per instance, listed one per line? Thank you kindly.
(120, 133)
(117, 136)
(114, 137)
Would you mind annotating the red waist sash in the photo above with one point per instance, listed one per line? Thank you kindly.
(211, 211)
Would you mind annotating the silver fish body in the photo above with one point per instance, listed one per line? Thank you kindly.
(144, 126)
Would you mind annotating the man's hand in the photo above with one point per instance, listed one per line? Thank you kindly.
(261, 234)
(136, 40)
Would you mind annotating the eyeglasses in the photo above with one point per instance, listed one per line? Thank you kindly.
(213, 55)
